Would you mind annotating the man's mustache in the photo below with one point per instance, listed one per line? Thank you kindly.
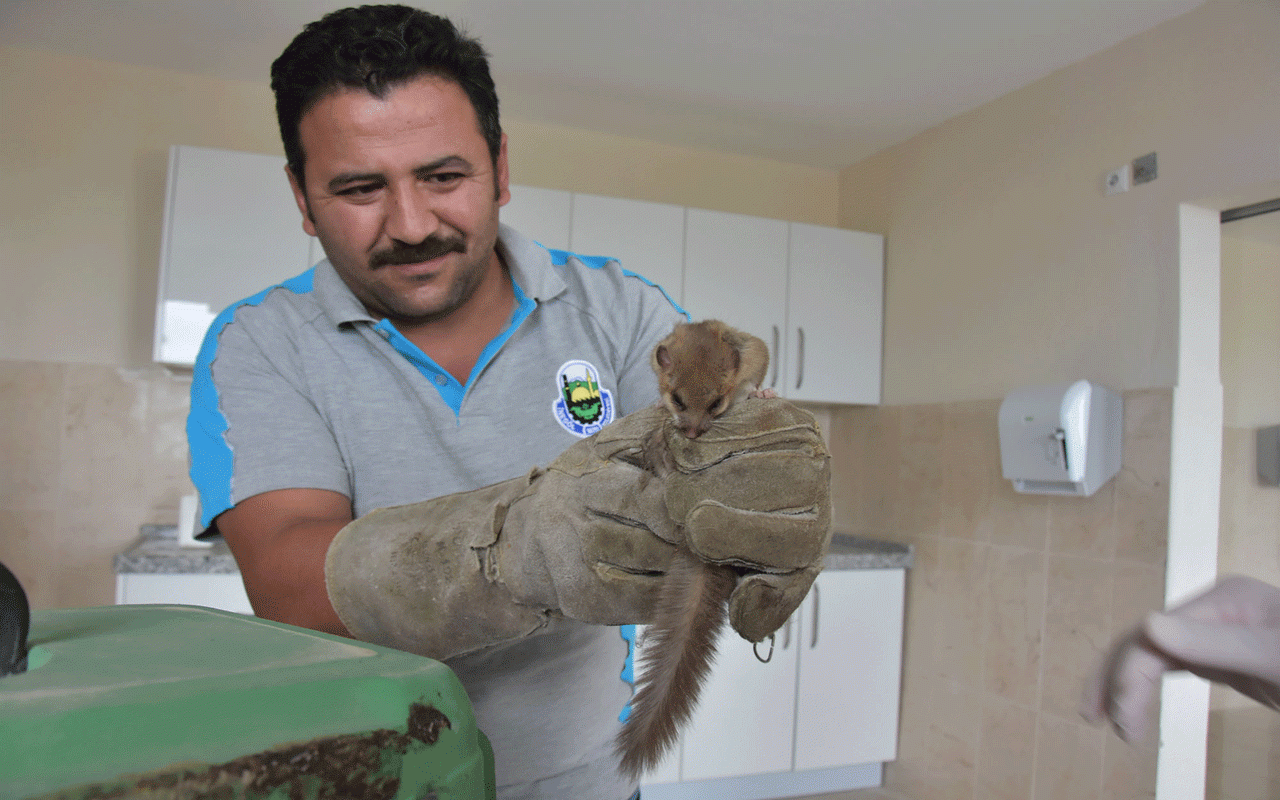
(429, 248)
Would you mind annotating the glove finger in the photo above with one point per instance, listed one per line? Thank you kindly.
(761, 481)
(630, 496)
(761, 603)
(1248, 651)
(767, 541)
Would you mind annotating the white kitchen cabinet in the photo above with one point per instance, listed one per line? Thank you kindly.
(541, 214)
(231, 229)
(222, 591)
(735, 270)
(744, 721)
(646, 238)
(813, 294)
(835, 315)
(850, 667)
(822, 715)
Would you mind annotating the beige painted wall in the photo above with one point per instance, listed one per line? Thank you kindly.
(1007, 265)
(1250, 329)
(85, 155)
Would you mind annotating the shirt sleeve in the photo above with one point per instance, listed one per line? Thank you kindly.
(253, 427)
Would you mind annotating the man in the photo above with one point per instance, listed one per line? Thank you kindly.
(437, 354)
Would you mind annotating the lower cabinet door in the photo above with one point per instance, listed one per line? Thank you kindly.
(745, 722)
(850, 665)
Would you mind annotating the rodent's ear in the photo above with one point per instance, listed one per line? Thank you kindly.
(662, 357)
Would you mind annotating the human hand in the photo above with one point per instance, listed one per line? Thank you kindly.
(1230, 634)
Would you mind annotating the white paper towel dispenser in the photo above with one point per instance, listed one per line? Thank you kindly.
(1061, 439)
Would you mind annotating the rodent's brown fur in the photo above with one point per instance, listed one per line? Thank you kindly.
(703, 369)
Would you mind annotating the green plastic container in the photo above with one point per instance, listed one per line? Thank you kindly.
(187, 702)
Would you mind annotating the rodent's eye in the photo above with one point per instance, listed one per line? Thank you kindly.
(715, 407)
(677, 402)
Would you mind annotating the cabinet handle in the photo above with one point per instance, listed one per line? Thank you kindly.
(786, 634)
(773, 383)
(800, 368)
(814, 641)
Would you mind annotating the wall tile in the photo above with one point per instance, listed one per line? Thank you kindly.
(1015, 623)
(1084, 526)
(1128, 769)
(1018, 520)
(926, 607)
(961, 628)
(107, 452)
(30, 434)
(970, 453)
(938, 742)
(1068, 760)
(918, 498)
(1006, 757)
(1077, 629)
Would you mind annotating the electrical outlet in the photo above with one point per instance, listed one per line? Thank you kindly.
(1117, 180)
(1144, 169)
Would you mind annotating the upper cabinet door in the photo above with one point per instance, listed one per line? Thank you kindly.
(835, 315)
(646, 238)
(231, 229)
(540, 214)
(735, 270)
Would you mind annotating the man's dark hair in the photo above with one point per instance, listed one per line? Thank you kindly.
(377, 48)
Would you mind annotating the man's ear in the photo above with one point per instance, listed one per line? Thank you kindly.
(300, 197)
(502, 174)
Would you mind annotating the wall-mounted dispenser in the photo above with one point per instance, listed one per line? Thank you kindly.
(1061, 439)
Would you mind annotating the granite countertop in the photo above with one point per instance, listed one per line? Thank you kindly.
(156, 551)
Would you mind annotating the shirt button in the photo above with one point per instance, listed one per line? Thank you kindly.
(441, 380)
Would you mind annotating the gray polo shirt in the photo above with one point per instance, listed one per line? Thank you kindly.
(298, 387)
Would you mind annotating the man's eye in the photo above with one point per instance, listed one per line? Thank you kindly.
(445, 177)
(359, 190)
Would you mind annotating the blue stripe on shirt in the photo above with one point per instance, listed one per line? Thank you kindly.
(560, 257)
(211, 461)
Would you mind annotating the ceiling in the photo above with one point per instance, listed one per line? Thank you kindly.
(817, 82)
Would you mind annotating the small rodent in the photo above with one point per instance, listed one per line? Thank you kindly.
(704, 369)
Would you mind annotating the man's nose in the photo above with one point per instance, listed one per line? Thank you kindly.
(411, 216)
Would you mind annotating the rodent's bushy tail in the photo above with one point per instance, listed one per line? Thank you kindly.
(679, 647)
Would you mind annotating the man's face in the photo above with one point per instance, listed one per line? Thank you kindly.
(403, 195)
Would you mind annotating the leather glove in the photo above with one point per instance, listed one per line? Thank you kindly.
(1229, 634)
(754, 492)
(590, 536)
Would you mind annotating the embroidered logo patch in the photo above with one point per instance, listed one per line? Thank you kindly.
(582, 407)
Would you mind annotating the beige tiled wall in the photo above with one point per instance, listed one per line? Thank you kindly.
(89, 454)
(1011, 600)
